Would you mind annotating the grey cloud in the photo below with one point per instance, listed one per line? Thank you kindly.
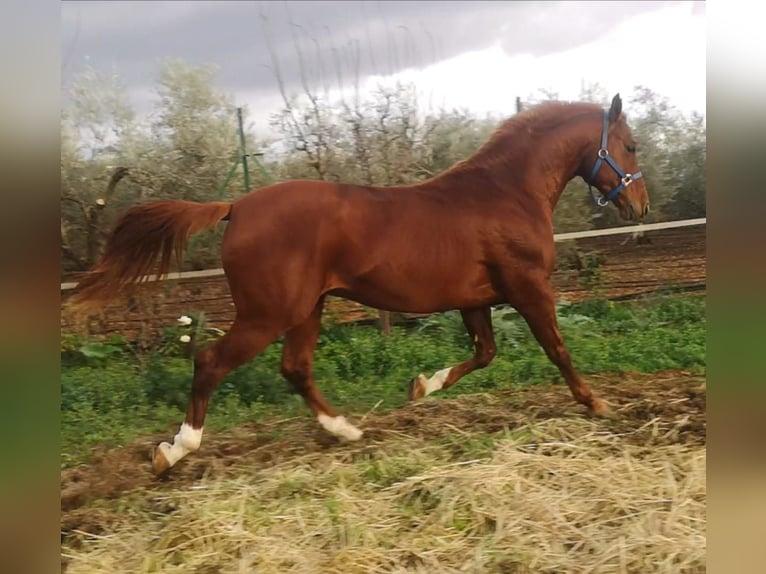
(133, 37)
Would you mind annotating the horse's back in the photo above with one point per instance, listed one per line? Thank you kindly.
(296, 207)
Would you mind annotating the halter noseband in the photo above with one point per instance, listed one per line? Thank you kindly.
(603, 156)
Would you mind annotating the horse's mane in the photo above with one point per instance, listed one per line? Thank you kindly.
(516, 132)
(543, 117)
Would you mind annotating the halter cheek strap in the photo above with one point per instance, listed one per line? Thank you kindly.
(603, 156)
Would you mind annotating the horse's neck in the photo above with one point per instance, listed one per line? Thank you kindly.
(540, 171)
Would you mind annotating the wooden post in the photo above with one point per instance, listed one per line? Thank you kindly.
(385, 322)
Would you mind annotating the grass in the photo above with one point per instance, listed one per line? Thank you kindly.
(558, 495)
(111, 395)
(475, 479)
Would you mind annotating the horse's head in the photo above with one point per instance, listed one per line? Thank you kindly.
(610, 165)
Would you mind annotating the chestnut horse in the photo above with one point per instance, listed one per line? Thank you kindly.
(478, 235)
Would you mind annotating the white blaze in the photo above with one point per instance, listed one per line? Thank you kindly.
(339, 426)
(187, 440)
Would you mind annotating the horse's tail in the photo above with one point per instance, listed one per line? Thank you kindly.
(141, 236)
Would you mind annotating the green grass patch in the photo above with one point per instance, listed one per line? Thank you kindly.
(111, 394)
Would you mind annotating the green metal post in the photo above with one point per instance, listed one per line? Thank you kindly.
(244, 150)
(222, 189)
(266, 174)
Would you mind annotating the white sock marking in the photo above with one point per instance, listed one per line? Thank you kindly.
(436, 382)
(339, 426)
(187, 440)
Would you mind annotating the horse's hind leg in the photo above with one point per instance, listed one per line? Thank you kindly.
(245, 340)
(478, 323)
(297, 363)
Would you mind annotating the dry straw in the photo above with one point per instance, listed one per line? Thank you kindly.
(560, 495)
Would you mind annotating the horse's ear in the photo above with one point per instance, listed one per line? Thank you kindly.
(616, 109)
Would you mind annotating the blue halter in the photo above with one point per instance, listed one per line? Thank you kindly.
(603, 156)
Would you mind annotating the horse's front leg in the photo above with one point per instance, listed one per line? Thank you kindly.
(534, 299)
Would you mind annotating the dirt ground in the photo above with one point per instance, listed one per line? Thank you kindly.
(649, 410)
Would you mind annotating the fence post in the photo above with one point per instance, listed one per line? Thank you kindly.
(263, 170)
(518, 104)
(243, 150)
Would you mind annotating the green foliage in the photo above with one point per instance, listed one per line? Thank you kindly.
(109, 394)
(76, 350)
(184, 151)
(590, 274)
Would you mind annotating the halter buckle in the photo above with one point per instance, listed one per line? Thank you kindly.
(627, 179)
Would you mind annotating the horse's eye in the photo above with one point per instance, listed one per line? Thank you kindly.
(630, 148)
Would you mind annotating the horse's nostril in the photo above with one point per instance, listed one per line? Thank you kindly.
(646, 210)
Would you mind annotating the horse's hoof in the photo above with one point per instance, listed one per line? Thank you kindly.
(160, 463)
(417, 388)
(599, 409)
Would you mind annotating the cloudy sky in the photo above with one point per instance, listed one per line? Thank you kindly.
(478, 55)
